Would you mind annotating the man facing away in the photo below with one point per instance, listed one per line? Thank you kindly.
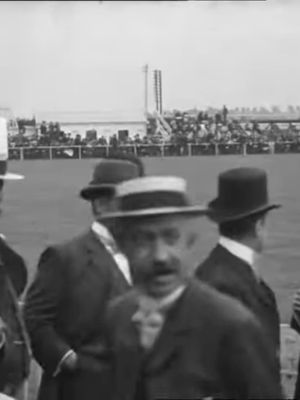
(240, 210)
(173, 337)
(14, 343)
(66, 302)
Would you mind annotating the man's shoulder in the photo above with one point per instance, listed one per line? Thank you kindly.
(64, 253)
(211, 304)
(73, 244)
(201, 303)
(220, 264)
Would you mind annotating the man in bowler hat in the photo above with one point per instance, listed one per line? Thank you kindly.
(65, 304)
(240, 211)
(173, 337)
(14, 343)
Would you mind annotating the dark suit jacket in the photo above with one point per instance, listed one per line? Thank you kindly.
(15, 355)
(233, 276)
(65, 308)
(15, 267)
(210, 345)
(296, 326)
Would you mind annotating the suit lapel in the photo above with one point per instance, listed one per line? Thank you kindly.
(266, 294)
(94, 246)
(97, 254)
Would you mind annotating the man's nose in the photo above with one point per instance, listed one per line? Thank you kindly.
(160, 253)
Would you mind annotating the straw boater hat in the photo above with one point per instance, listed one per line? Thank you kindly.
(153, 196)
(4, 175)
(242, 192)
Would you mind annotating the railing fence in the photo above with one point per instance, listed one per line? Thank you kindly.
(152, 150)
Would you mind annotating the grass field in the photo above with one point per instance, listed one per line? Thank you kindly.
(45, 208)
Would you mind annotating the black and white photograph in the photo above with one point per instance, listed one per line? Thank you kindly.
(150, 200)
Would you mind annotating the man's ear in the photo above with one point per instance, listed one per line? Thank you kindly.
(260, 227)
(260, 224)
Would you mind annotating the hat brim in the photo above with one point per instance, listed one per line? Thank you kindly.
(220, 215)
(153, 212)
(91, 191)
(9, 176)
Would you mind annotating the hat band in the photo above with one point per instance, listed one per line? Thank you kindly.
(155, 199)
(238, 208)
(3, 167)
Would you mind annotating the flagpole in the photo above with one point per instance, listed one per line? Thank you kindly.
(145, 70)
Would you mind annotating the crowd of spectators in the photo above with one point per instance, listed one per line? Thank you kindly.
(182, 128)
(219, 128)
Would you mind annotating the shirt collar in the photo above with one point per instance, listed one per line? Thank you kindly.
(151, 303)
(101, 231)
(172, 297)
(240, 250)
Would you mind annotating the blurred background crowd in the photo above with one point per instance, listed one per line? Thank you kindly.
(196, 128)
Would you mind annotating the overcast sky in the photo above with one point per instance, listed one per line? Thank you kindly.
(89, 55)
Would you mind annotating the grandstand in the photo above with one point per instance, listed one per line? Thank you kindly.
(7, 113)
(120, 123)
(172, 133)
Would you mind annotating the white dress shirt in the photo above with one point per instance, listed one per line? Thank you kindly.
(5, 397)
(2, 339)
(241, 251)
(109, 243)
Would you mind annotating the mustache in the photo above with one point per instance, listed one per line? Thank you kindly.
(163, 268)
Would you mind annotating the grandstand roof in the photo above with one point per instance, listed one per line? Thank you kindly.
(6, 112)
(265, 116)
(88, 117)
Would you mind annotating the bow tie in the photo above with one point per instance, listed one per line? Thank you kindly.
(149, 321)
(150, 316)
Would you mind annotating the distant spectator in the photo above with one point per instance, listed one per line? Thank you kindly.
(224, 114)
(114, 141)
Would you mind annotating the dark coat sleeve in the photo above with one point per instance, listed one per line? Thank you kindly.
(2, 350)
(41, 306)
(247, 363)
(295, 324)
(15, 267)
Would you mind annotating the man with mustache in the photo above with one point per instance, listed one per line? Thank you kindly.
(173, 337)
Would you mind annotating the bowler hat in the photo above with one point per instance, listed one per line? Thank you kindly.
(242, 192)
(107, 174)
(153, 196)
